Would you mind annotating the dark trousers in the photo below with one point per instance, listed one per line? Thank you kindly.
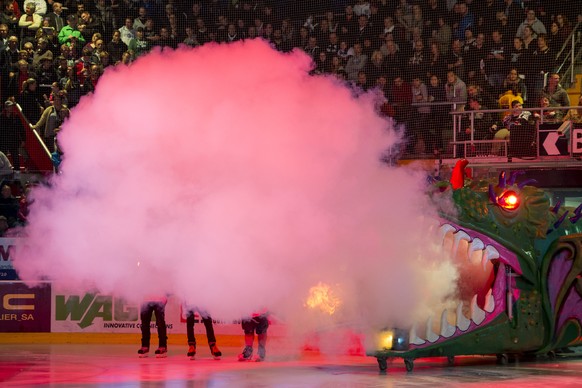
(147, 309)
(207, 321)
(258, 324)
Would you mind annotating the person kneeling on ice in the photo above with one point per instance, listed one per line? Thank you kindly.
(153, 305)
(207, 321)
(258, 323)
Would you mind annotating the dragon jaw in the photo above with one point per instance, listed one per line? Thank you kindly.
(484, 252)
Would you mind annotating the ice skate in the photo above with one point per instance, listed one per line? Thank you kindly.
(192, 352)
(143, 352)
(261, 354)
(216, 353)
(162, 352)
(246, 354)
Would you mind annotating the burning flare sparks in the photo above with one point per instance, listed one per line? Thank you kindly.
(322, 297)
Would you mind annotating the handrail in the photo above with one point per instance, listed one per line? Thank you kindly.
(36, 134)
(571, 36)
(573, 55)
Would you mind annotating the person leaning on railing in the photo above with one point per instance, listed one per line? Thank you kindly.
(575, 114)
(518, 116)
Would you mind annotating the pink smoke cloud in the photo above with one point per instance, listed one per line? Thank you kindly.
(230, 177)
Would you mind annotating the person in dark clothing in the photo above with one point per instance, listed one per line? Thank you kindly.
(8, 205)
(207, 321)
(29, 101)
(157, 306)
(11, 133)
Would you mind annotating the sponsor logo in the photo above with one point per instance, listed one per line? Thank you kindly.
(89, 307)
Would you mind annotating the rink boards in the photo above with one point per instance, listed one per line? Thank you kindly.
(47, 307)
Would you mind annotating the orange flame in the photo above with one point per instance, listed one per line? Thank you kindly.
(322, 297)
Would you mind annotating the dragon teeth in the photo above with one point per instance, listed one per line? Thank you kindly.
(444, 229)
(460, 236)
(489, 302)
(462, 321)
(414, 339)
(476, 246)
(431, 336)
(447, 330)
(477, 315)
(490, 254)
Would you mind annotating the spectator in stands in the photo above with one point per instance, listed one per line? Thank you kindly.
(466, 20)
(24, 205)
(40, 6)
(166, 39)
(9, 18)
(529, 39)
(50, 120)
(555, 39)
(362, 82)
(70, 32)
(517, 116)
(533, 22)
(413, 22)
(515, 84)
(555, 93)
(575, 115)
(421, 134)
(443, 36)
(140, 20)
(514, 13)
(400, 96)
(543, 61)
(496, 62)
(417, 65)
(481, 128)
(375, 66)
(518, 57)
(29, 22)
(312, 49)
(439, 113)
(138, 46)
(436, 64)
(56, 18)
(3, 36)
(475, 60)
(348, 25)
(356, 62)
(455, 59)
(116, 47)
(89, 25)
(127, 32)
(29, 100)
(564, 27)
(8, 205)
(3, 221)
(11, 133)
(548, 114)
(71, 84)
(456, 91)
(322, 63)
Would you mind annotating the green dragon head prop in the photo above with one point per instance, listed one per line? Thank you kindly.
(530, 298)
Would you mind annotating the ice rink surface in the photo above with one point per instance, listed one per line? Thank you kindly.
(75, 365)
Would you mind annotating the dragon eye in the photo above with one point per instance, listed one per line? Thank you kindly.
(509, 200)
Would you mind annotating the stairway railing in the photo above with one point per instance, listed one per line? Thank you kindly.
(567, 67)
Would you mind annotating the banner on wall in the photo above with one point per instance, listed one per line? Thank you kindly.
(100, 313)
(25, 309)
(7, 271)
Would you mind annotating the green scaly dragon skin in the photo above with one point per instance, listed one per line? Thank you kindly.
(546, 303)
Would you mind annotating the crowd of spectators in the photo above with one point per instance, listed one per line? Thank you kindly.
(412, 51)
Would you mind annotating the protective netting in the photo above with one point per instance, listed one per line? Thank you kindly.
(427, 57)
